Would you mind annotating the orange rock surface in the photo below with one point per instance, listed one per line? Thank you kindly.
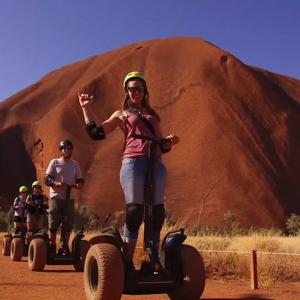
(239, 129)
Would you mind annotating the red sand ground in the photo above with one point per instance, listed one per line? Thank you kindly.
(239, 128)
(63, 283)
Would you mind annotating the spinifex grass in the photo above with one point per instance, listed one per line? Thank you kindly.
(271, 266)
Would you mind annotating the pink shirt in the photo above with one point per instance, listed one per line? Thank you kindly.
(137, 147)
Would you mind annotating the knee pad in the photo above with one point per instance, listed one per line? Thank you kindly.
(159, 214)
(134, 217)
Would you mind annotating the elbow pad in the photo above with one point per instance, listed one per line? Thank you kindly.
(95, 133)
(49, 180)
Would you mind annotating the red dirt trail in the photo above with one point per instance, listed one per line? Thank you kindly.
(63, 283)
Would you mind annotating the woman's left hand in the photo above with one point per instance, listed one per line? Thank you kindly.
(173, 139)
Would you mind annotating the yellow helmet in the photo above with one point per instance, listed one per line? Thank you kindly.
(36, 184)
(23, 189)
(133, 74)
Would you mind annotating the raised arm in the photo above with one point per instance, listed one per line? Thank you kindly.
(84, 101)
(94, 131)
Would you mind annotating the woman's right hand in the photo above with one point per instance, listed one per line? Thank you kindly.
(84, 99)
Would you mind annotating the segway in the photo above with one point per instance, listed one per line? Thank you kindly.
(41, 254)
(181, 274)
(6, 242)
(18, 244)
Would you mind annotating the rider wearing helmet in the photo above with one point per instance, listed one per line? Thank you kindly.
(19, 207)
(62, 175)
(36, 206)
(135, 117)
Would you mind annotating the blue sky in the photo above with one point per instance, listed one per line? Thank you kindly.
(38, 36)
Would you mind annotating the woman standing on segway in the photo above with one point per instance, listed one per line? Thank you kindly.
(136, 117)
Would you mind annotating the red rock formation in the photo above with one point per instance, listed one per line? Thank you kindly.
(238, 127)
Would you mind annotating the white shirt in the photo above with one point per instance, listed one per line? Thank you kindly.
(63, 170)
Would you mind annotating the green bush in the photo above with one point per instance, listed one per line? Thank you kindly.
(293, 224)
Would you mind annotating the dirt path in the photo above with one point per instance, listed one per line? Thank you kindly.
(62, 283)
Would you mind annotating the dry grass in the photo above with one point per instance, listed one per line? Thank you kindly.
(271, 267)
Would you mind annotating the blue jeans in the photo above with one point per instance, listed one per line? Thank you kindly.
(133, 175)
(133, 179)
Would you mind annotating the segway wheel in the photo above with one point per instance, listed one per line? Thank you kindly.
(16, 249)
(193, 283)
(37, 254)
(84, 248)
(103, 273)
(6, 243)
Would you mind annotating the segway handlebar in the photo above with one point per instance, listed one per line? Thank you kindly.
(155, 139)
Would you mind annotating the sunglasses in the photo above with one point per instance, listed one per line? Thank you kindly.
(66, 148)
(138, 89)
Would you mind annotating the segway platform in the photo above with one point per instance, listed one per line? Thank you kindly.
(141, 282)
(40, 254)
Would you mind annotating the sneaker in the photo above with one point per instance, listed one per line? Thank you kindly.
(63, 252)
(67, 252)
(157, 268)
(148, 267)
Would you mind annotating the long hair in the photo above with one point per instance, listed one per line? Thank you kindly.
(145, 102)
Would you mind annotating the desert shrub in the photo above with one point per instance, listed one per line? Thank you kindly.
(85, 218)
(293, 224)
(89, 220)
(5, 220)
(266, 232)
(169, 222)
(192, 231)
(211, 242)
(232, 227)
(117, 219)
(205, 230)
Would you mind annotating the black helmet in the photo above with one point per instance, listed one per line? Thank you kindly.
(65, 143)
